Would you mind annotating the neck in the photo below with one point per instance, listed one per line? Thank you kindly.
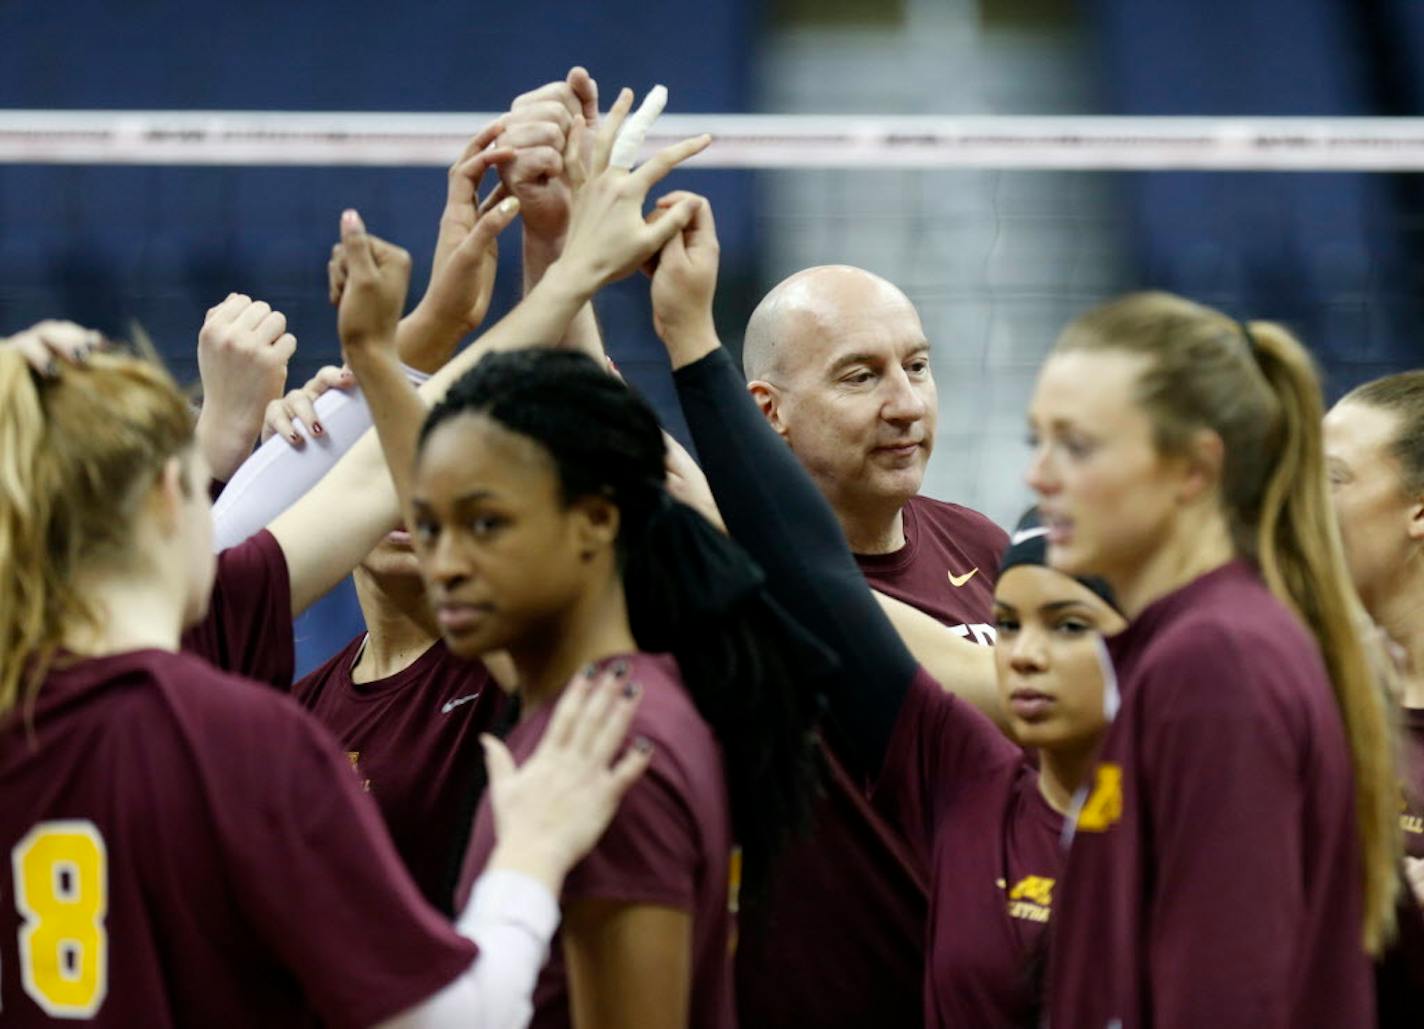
(1187, 555)
(399, 623)
(1401, 616)
(593, 628)
(878, 531)
(1062, 772)
(132, 613)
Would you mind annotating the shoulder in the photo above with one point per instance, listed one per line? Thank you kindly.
(967, 527)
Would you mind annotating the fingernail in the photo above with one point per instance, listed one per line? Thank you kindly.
(509, 205)
(631, 690)
(317, 429)
(589, 670)
(295, 437)
(643, 745)
(52, 369)
(620, 668)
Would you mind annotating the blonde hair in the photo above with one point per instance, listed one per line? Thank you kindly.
(1402, 395)
(78, 453)
(1255, 386)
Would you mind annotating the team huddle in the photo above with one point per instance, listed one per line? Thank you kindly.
(761, 737)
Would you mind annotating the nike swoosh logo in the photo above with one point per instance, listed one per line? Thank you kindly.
(959, 580)
(451, 705)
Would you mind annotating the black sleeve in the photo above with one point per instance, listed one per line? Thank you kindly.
(774, 510)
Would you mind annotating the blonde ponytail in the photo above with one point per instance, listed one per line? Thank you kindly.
(1256, 388)
(1301, 558)
(78, 452)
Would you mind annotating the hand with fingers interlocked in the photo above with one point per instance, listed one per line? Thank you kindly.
(299, 405)
(45, 344)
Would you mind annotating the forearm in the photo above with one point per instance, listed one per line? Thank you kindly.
(962, 668)
(775, 511)
(511, 918)
(422, 344)
(582, 333)
(397, 411)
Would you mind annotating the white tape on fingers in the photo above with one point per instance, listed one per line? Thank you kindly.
(635, 129)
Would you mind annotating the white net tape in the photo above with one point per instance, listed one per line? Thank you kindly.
(742, 141)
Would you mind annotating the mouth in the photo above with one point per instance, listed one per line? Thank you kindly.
(1031, 705)
(1060, 528)
(459, 618)
(899, 450)
(398, 538)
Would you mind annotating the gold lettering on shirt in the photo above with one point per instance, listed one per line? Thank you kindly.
(1103, 807)
(354, 756)
(1413, 824)
(1031, 899)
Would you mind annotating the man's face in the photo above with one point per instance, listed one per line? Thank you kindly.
(854, 396)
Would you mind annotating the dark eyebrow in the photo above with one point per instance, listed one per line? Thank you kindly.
(463, 498)
(1005, 605)
(1061, 605)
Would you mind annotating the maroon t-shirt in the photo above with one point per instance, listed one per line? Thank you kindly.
(670, 844)
(968, 802)
(414, 740)
(839, 938)
(248, 627)
(1412, 764)
(1214, 873)
(194, 851)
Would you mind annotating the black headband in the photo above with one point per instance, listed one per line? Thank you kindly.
(1029, 546)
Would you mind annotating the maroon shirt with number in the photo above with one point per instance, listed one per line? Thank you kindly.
(1412, 820)
(245, 879)
(1214, 873)
(414, 740)
(248, 627)
(969, 803)
(670, 844)
(839, 938)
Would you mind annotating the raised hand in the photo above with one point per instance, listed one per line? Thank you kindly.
(537, 128)
(45, 344)
(608, 237)
(463, 268)
(551, 810)
(283, 413)
(369, 279)
(685, 275)
(243, 350)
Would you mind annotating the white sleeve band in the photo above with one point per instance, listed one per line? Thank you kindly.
(630, 137)
(512, 918)
(277, 475)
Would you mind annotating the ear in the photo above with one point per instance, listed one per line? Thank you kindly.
(1416, 519)
(768, 399)
(1202, 463)
(169, 492)
(596, 522)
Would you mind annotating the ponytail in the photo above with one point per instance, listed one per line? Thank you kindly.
(692, 592)
(747, 666)
(1300, 555)
(1256, 388)
(78, 453)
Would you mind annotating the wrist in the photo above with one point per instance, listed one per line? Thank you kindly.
(533, 858)
(687, 344)
(539, 253)
(424, 340)
(225, 438)
(567, 283)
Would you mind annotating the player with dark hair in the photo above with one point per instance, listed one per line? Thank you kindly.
(185, 847)
(536, 500)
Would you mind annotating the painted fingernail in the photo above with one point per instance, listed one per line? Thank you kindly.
(620, 668)
(631, 690)
(52, 369)
(295, 437)
(317, 430)
(509, 205)
(589, 670)
(643, 745)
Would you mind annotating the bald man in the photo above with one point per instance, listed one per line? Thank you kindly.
(838, 361)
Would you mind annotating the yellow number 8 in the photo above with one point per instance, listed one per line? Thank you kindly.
(62, 892)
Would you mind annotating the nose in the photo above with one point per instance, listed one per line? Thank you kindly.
(905, 403)
(446, 565)
(1040, 475)
(1026, 653)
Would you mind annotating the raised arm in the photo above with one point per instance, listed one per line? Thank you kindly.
(769, 502)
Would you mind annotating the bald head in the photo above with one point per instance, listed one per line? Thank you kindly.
(806, 313)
